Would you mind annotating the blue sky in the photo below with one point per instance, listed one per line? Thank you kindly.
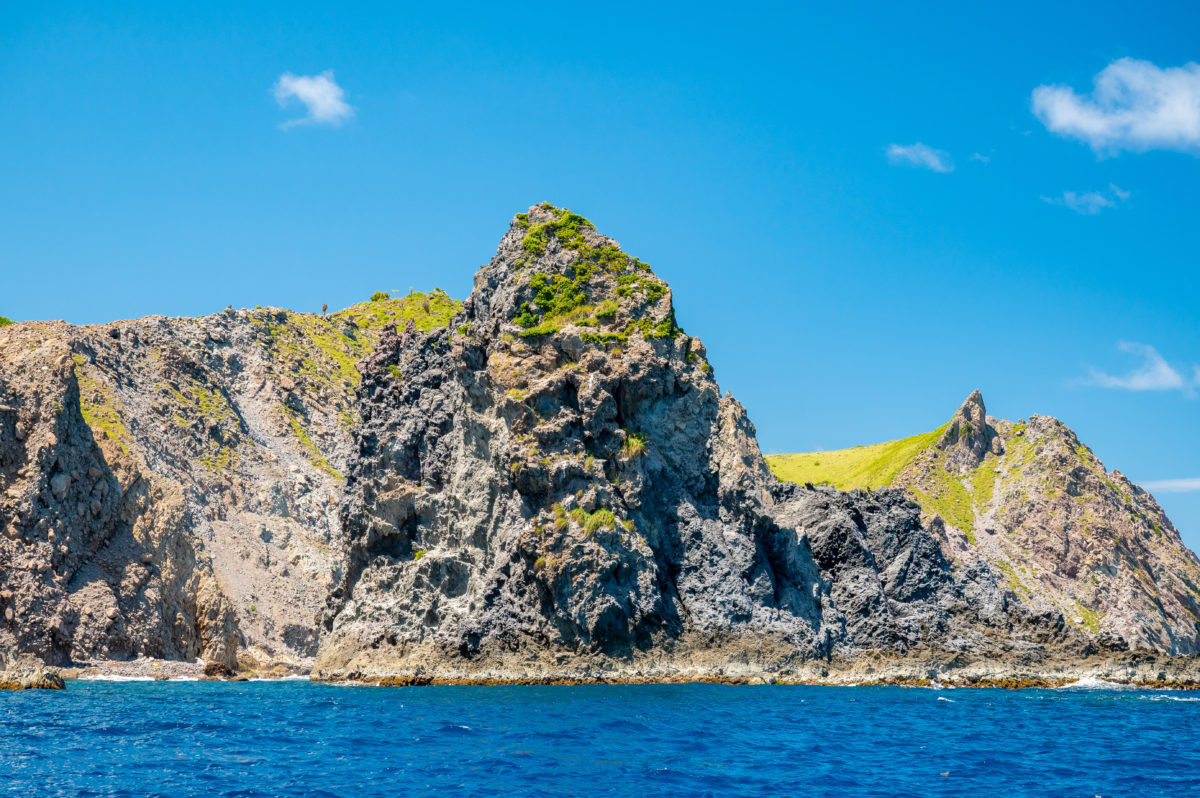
(851, 286)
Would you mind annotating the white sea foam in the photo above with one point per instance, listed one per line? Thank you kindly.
(943, 698)
(114, 677)
(1092, 683)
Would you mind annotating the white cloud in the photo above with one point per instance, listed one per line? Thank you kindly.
(1173, 485)
(1155, 373)
(1089, 203)
(983, 159)
(921, 156)
(1135, 106)
(322, 97)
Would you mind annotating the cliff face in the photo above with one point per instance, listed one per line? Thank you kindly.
(554, 486)
(170, 487)
(1035, 507)
(544, 482)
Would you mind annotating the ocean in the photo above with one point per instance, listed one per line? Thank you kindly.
(297, 738)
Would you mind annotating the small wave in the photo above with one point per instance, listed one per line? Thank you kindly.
(1092, 683)
(943, 698)
(114, 677)
(1169, 698)
(295, 677)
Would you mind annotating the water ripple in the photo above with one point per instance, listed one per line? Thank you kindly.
(293, 738)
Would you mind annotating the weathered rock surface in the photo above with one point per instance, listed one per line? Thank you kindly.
(544, 484)
(1031, 507)
(1034, 505)
(169, 487)
(27, 672)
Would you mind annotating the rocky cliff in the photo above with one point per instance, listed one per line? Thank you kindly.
(1033, 505)
(542, 483)
(171, 487)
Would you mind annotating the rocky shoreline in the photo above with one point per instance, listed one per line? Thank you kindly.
(1135, 670)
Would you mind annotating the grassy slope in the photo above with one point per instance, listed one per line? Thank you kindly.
(871, 466)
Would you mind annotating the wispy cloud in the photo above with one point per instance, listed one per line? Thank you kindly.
(983, 159)
(1173, 485)
(321, 95)
(920, 156)
(1134, 106)
(1089, 203)
(1155, 373)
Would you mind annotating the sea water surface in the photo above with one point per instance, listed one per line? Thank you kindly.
(302, 739)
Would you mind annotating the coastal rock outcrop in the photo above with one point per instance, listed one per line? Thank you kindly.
(541, 483)
(554, 486)
(1030, 506)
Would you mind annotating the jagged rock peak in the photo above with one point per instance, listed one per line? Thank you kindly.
(970, 434)
(552, 270)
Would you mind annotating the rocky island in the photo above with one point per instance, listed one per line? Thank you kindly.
(542, 483)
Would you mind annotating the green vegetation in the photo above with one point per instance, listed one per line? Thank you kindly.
(983, 483)
(427, 311)
(5, 321)
(567, 227)
(99, 408)
(380, 296)
(1091, 619)
(873, 466)
(419, 553)
(562, 299)
(314, 454)
(634, 445)
(324, 350)
(195, 403)
(600, 519)
(949, 498)
(394, 370)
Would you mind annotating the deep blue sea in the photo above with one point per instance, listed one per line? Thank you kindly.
(296, 738)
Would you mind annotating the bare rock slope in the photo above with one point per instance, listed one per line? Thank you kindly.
(170, 487)
(542, 483)
(1030, 503)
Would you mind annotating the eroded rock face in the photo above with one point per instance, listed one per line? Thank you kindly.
(556, 479)
(1031, 503)
(544, 483)
(27, 672)
(169, 487)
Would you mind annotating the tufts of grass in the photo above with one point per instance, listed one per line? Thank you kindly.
(567, 227)
(1090, 618)
(380, 296)
(600, 519)
(873, 466)
(562, 299)
(634, 446)
(5, 321)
